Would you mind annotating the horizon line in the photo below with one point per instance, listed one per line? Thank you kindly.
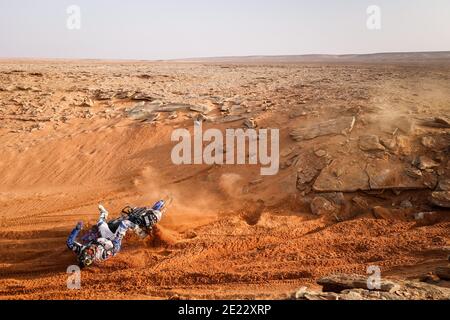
(230, 56)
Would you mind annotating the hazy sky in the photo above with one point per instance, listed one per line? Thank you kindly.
(165, 29)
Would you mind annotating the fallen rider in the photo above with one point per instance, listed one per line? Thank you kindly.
(102, 248)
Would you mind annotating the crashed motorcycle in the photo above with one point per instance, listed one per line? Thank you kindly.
(143, 218)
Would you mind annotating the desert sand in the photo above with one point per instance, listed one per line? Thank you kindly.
(364, 174)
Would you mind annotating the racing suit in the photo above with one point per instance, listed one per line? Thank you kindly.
(107, 245)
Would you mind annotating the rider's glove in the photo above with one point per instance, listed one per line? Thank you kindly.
(79, 225)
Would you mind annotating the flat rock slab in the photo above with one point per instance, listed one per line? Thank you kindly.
(437, 122)
(347, 175)
(386, 174)
(144, 110)
(343, 175)
(334, 126)
(339, 282)
(171, 107)
(230, 118)
(201, 109)
(142, 96)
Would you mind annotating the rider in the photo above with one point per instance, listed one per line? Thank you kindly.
(102, 248)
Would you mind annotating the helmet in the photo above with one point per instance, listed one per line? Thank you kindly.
(159, 205)
(87, 256)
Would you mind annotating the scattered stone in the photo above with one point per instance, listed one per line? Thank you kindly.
(413, 172)
(304, 294)
(404, 144)
(87, 103)
(423, 163)
(336, 198)
(320, 153)
(142, 111)
(321, 206)
(142, 96)
(190, 234)
(230, 118)
(443, 184)
(331, 127)
(152, 117)
(200, 109)
(382, 213)
(173, 115)
(370, 143)
(430, 179)
(237, 109)
(201, 117)
(389, 143)
(288, 151)
(250, 123)
(123, 95)
(100, 95)
(23, 88)
(441, 198)
(428, 142)
(255, 182)
(304, 176)
(406, 204)
(429, 218)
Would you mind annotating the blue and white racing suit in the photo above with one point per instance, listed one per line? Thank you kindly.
(108, 244)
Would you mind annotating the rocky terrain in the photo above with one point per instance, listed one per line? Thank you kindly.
(364, 176)
(354, 287)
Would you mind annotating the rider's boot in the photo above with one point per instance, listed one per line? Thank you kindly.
(103, 213)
